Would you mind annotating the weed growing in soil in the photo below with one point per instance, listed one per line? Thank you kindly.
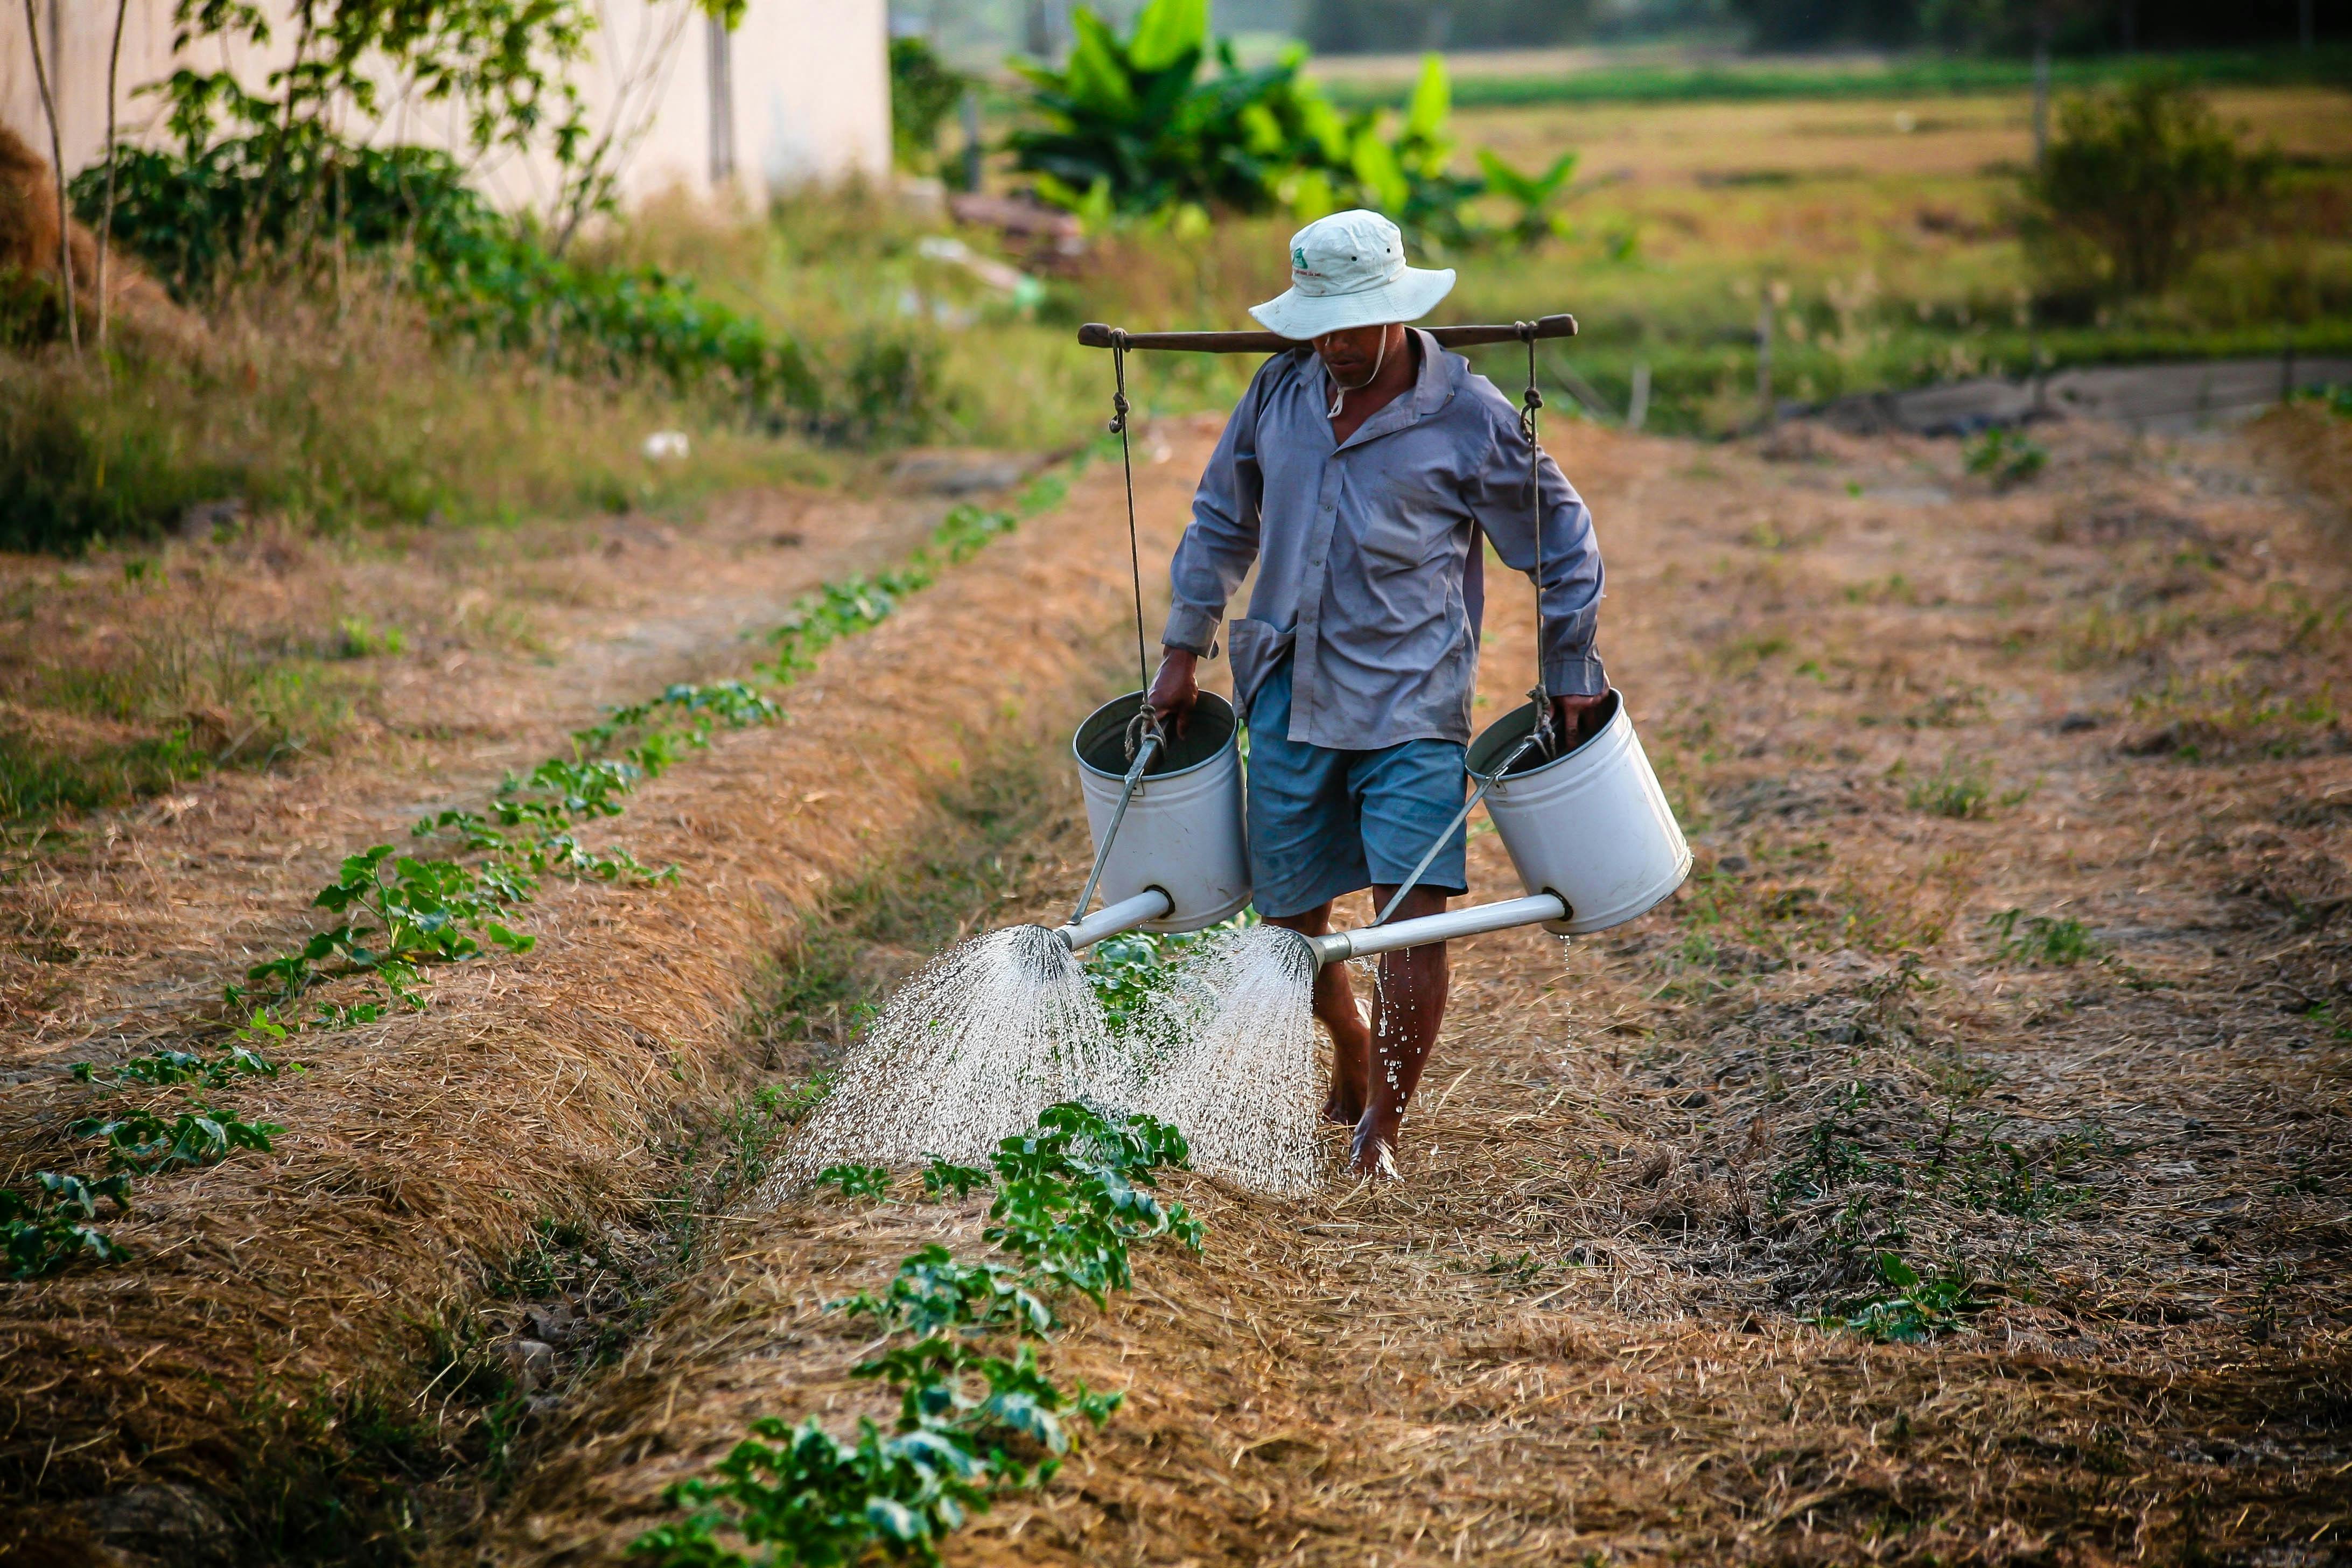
(2005, 457)
(1072, 1195)
(2045, 940)
(1961, 791)
(1920, 1309)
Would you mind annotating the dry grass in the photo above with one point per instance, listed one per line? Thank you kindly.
(2316, 449)
(1937, 138)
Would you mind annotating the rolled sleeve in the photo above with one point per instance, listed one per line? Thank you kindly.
(1573, 576)
(1192, 628)
(1222, 540)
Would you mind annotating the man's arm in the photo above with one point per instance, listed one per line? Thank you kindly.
(1572, 575)
(1215, 555)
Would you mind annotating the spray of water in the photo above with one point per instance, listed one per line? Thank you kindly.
(966, 1055)
(1000, 1027)
(1227, 1053)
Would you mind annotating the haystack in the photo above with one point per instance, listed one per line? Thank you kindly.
(136, 304)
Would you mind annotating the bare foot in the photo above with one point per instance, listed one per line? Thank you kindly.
(1351, 1051)
(1372, 1152)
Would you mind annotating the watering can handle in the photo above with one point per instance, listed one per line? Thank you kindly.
(1143, 755)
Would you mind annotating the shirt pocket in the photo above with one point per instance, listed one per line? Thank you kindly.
(1256, 647)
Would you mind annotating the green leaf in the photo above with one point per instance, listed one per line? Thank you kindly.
(1896, 1272)
(1431, 102)
(1096, 74)
(1167, 31)
(1376, 165)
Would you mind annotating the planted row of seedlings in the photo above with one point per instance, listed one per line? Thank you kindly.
(398, 917)
(978, 1416)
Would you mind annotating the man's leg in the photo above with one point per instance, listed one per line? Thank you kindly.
(1335, 1003)
(1406, 1013)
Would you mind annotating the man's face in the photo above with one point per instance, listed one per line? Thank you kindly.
(1351, 355)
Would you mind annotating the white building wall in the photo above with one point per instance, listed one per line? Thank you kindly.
(810, 94)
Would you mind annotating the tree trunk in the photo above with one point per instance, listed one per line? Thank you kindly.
(106, 217)
(58, 159)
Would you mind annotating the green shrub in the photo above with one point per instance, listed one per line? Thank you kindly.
(923, 92)
(2137, 183)
(201, 215)
(1135, 123)
(197, 214)
(1134, 126)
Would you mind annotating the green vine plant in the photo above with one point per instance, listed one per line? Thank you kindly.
(47, 1226)
(978, 1416)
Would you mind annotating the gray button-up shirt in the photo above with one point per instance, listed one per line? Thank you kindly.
(1370, 569)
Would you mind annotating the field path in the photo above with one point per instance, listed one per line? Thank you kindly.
(2107, 1131)
(151, 913)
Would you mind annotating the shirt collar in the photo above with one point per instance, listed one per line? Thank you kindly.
(1433, 384)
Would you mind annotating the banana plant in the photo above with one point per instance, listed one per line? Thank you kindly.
(1131, 125)
(1533, 194)
(1409, 176)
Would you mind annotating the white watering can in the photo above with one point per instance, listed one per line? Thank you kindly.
(1171, 851)
(1589, 832)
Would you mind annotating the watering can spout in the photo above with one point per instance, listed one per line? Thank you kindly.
(1147, 906)
(1364, 942)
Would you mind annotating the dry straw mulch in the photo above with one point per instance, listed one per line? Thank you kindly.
(274, 1296)
(1578, 1330)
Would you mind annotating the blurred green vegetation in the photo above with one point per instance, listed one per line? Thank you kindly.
(1924, 76)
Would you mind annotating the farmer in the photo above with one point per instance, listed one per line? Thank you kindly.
(1360, 473)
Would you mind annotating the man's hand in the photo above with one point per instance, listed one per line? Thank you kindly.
(1579, 717)
(1175, 689)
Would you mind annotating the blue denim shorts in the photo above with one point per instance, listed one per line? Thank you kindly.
(1323, 822)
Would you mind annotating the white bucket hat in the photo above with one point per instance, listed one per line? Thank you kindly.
(1348, 270)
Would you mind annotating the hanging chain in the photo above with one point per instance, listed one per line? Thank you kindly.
(1546, 742)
